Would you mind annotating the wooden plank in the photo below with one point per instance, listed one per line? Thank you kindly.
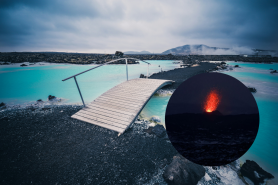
(110, 109)
(138, 97)
(121, 98)
(136, 85)
(111, 127)
(129, 90)
(101, 111)
(117, 102)
(139, 85)
(108, 122)
(132, 97)
(148, 83)
(128, 98)
(105, 119)
(109, 114)
(139, 94)
(131, 87)
(107, 106)
(117, 106)
(125, 84)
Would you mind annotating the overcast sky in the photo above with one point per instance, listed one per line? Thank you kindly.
(129, 25)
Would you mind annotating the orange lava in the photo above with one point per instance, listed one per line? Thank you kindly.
(212, 101)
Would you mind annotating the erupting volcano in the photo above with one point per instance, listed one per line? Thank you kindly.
(212, 119)
(212, 101)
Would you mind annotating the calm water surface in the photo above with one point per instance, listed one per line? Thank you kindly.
(265, 148)
(21, 85)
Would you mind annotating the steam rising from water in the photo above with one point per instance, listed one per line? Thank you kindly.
(205, 50)
(202, 49)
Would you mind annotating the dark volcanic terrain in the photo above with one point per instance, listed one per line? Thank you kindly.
(52, 148)
(212, 139)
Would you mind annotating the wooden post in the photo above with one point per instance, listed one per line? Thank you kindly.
(126, 70)
(79, 91)
(148, 72)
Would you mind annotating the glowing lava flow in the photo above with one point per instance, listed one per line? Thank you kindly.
(212, 101)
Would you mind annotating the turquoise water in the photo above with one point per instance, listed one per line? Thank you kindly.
(265, 148)
(21, 85)
(156, 107)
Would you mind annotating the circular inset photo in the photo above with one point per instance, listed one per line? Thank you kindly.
(212, 119)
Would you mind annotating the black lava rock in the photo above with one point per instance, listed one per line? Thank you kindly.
(223, 63)
(22, 65)
(39, 101)
(51, 97)
(236, 65)
(159, 130)
(214, 167)
(142, 76)
(119, 54)
(163, 163)
(183, 172)
(4, 119)
(149, 130)
(2, 104)
(46, 108)
(252, 89)
(254, 172)
(274, 71)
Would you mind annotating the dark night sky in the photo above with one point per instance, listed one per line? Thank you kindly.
(155, 26)
(191, 94)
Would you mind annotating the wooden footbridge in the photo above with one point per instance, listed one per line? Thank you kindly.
(118, 108)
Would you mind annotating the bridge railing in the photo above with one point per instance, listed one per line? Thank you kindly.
(74, 76)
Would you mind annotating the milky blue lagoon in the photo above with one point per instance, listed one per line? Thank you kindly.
(265, 148)
(21, 85)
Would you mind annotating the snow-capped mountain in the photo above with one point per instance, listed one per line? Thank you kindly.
(194, 50)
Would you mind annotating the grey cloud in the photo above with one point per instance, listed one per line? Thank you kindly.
(95, 26)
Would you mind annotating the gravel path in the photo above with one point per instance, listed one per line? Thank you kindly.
(181, 74)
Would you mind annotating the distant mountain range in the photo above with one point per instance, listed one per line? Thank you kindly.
(201, 49)
(193, 50)
(137, 52)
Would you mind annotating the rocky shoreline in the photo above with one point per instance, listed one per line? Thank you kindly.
(91, 58)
